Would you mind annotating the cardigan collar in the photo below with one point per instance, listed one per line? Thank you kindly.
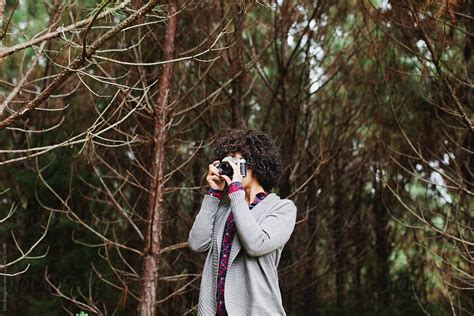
(259, 197)
(258, 211)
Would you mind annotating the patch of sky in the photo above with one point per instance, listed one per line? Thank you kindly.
(292, 33)
(434, 163)
(355, 147)
(22, 25)
(316, 72)
(301, 9)
(368, 186)
(323, 20)
(421, 45)
(423, 49)
(318, 78)
(382, 5)
(42, 61)
(317, 52)
(304, 40)
(379, 173)
(438, 185)
(445, 159)
(130, 154)
(191, 147)
(269, 6)
(254, 105)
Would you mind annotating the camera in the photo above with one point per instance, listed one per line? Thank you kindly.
(225, 168)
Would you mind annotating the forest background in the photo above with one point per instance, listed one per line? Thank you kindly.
(108, 113)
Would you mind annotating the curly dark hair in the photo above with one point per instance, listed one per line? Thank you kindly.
(258, 150)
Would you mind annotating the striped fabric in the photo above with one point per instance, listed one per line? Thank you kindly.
(228, 237)
(217, 193)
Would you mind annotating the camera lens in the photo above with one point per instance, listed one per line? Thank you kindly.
(225, 169)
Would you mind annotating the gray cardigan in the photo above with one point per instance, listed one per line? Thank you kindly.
(251, 284)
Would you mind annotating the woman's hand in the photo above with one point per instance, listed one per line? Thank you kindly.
(237, 175)
(214, 178)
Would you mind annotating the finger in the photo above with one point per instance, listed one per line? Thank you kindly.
(214, 170)
(234, 165)
(226, 178)
(214, 163)
(219, 181)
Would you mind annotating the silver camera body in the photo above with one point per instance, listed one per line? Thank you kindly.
(225, 168)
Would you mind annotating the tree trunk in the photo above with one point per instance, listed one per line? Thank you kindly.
(311, 295)
(238, 14)
(151, 253)
(339, 236)
(359, 239)
(381, 245)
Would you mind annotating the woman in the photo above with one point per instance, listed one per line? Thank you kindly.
(244, 234)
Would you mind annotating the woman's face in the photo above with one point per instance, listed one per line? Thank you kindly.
(249, 177)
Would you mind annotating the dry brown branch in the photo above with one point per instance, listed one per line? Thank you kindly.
(21, 83)
(60, 30)
(25, 255)
(76, 63)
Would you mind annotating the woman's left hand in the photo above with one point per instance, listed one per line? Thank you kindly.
(237, 175)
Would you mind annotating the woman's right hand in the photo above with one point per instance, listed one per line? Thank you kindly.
(213, 177)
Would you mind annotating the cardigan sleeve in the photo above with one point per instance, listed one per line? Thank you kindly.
(272, 233)
(217, 193)
(200, 235)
